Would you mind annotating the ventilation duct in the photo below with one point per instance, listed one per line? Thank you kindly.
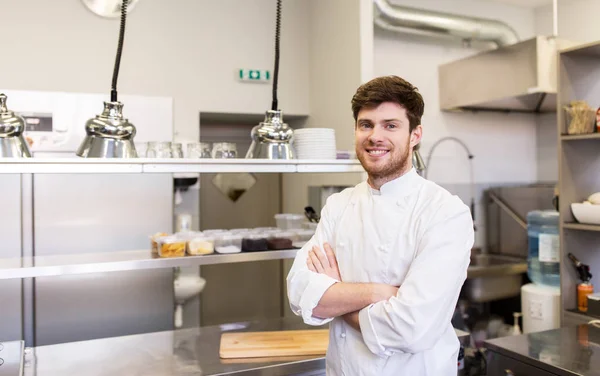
(426, 22)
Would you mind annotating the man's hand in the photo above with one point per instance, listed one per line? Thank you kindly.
(324, 263)
(352, 320)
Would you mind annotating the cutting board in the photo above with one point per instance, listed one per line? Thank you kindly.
(272, 344)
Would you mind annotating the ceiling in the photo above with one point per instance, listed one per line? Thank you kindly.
(523, 3)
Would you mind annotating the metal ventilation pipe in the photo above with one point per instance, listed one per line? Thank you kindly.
(426, 22)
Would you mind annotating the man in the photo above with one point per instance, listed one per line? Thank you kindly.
(390, 255)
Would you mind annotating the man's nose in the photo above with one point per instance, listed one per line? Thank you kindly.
(376, 135)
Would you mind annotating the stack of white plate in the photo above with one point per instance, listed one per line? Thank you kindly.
(315, 143)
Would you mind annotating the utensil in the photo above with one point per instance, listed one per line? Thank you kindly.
(311, 214)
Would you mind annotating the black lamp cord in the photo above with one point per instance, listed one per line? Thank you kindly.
(113, 90)
(274, 104)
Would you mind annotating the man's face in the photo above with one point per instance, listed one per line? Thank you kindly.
(383, 141)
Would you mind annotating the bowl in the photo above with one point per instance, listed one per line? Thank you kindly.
(586, 213)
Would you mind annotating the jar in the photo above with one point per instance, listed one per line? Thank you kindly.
(543, 260)
(176, 150)
(224, 150)
(198, 150)
(151, 149)
(163, 150)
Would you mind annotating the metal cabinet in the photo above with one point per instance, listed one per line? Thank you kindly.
(500, 365)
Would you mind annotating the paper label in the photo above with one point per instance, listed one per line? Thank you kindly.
(549, 245)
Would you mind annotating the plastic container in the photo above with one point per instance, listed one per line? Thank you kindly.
(543, 261)
(171, 246)
(304, 235)
(287, 221)
(154, 240)
(281, 240)
(310, 225)
(214, 232)
(200, 245)
(231, 243)
(254, 243)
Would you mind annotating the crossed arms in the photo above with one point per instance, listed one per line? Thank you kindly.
(408, 319)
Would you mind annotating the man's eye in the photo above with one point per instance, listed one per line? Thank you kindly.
(391, 126)
(365, 125)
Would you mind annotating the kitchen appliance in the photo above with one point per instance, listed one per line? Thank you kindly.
(49, 214)
(12, 142)
(518, 77)
(540, 306)
(272, 138)
(110, 135)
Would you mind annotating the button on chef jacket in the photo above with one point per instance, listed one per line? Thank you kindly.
(413, 234)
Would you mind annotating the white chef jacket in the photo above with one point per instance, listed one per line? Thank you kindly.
(413, 234)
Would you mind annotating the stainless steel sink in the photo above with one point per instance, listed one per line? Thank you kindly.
(493, 277)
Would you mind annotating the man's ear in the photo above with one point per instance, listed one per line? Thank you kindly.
(416, 135)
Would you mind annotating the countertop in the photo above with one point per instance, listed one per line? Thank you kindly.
(569, 351)
(180, 352)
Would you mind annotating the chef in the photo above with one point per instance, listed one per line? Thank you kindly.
(390, 255)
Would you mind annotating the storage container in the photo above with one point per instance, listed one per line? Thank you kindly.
(543, 261)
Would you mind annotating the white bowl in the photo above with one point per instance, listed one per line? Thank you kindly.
(586, 213)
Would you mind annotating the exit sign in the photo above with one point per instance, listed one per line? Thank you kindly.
(254, 75)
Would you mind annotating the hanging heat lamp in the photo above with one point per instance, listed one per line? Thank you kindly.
(110, 135)
(12, 126)
(272, 138)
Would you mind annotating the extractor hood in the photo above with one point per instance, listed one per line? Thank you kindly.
(519, 77)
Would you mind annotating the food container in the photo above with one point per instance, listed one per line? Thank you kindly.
(239, 230)
(254, 243)
(304, 235)
(580, 118)
(310, 225)
(287, 221)
(154, 240)
(231, 243)
(200, 245)
(586, 213)
(214, 232)
(281, 240)
(171, 246)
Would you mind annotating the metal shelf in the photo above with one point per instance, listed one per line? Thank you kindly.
(145, 165)
(581, 227)
(45, 266)
(575, 137)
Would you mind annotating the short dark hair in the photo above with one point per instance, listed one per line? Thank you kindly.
(390, 89)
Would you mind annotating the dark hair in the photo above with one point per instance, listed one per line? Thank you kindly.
(390, 89)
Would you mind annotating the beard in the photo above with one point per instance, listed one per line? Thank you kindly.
(392, 168)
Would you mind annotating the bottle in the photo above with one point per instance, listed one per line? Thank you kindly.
(516, 330)
(585, 288)
(543, 261)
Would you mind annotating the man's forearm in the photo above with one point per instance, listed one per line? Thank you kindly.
(342, 298)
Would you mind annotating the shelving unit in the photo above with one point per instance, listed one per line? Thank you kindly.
(46, 266)
(153, 166)
(579, 174)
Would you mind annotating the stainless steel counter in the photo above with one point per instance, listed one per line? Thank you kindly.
(183, 352)
(569, 351)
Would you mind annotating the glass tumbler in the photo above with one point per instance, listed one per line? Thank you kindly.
(163, 150)
(176, 150)
(224, 150)
(198, 150)
(151, 150)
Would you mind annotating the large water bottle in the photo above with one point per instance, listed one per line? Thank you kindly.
(543, 262)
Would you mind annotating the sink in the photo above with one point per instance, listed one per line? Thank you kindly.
(493, 277)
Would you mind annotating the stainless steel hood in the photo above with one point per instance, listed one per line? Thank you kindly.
(519, 77)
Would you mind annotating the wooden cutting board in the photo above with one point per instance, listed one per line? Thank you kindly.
(277, 343)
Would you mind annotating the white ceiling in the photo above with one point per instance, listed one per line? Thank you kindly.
(523, 3)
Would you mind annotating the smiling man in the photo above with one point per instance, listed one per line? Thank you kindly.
(390, 255)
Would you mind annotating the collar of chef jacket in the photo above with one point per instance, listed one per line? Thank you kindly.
(399, 187)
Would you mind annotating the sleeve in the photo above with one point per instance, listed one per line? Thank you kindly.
(304, 287)
(415, 318)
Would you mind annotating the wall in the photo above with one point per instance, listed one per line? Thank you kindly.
(504, 145)
(189, 50)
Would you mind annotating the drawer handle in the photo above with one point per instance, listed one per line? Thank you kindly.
(508, 372)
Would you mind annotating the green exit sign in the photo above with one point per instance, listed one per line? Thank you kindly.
(254, 75)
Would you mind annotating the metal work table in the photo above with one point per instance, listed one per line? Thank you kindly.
(569, 351)
(182, 352)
